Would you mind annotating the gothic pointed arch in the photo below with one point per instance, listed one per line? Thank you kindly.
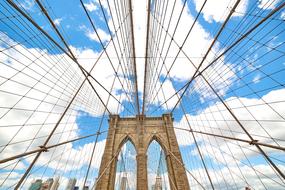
(125, 138)
(126, 165)
(159, 139)
(157, 167)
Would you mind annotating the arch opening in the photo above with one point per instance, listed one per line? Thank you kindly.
(157, 172)
(126, 167)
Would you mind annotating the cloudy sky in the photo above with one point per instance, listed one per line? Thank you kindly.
(38, 80)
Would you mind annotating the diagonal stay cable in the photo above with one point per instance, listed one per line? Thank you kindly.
(105, 168)
(97, 136)
(168, 48)
(64, 112)
(51, 39)
(62, 49)
(117, 38)
(104, 49)
(196, 144)
(234, 138)
(125, 40)
(212, 44)
(60, 118)
(244, 129)
(48, 36)
(71, 53)
(180, 163)
(238, 121)
(185, 87)
(180, 47)
(163, 44)
(46, 148)
(258, 147)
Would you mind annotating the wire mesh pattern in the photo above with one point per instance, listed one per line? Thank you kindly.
(219, 72)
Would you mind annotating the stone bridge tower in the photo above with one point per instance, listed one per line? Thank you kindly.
(141, 130)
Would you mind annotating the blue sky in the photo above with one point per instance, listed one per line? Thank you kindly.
(251, 73)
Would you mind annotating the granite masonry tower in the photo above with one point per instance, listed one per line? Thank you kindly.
(141, 131)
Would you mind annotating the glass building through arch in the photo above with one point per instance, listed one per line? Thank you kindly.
(126, 169)
(157, 173)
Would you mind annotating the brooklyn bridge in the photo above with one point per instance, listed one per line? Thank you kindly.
(142, 94)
